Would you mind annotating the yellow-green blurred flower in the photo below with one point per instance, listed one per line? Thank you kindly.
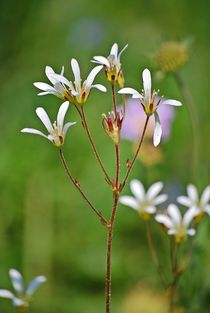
(171, 56)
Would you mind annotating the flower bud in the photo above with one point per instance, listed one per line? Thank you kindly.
(112, 125)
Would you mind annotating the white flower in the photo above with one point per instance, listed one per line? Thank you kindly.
(112, 64)
(80, 89)
(177, 225)
(22, 296)
(61, 89)
(192, 199)
(144, 202)
(57, 130)
(150, 102)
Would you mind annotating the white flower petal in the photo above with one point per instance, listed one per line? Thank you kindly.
(138, 190)
(61, 79)
(184, 201)
(172, 231)
(150, 209)
(130, 91)
(114, 50)
(43, 86)
(172, 102)
(174, 214)
(122, 52)
(157, 131)
(164, 219)
(160, 199)
(4, 293)
(92, 76)
(49, 71)
(192, 193)
(76, 71)
(129, 201)
(33, 131)
(66, 127)
(61, 115)
(191, 232)
(207, 209)
(99, 87)
(17, 280)
(18, 302)
(62, 70)
(147, 86)
(41, 113)
(154, 190)
(46, 93)
(101, 60)
(205, 196)
(189, 215)
(34, 284)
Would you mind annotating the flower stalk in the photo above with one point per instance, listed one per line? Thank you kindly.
(78, 186)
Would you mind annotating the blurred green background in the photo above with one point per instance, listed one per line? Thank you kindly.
(45, 227)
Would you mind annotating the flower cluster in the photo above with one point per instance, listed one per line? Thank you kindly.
(77, 92)
(177, 225)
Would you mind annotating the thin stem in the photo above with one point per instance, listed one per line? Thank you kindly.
(85, 125)
(176, 274)
(154, 254)
(109, 254)
(114, 100)
(117, 152)
(135, 156)
(77, 185)
(193, 117)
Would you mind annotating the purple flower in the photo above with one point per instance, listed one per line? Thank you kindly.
(134, 120)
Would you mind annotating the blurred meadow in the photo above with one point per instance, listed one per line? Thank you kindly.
(45, 226)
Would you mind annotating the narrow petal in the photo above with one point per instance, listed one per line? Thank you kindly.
(61, 79)
(4, 293)
(92, 76)
(147, 85)
(172, 231)
(43, 86)
(150, 209)
(160, 199)
(33, 131)
(49, 71)
(122, 52)
(34, 284)
(46, 93)
(99, 87)
(61, 115)
(101, 60)
(192, 193)
(114, 50)
(154, 190)
(130, 91)
(129, 201)
(66, 127)
(207, 209)
(76, 71)
(172, 102)
(184, 201)
(174, 214)
(41, 113)
(157, 131)
(191, 232)
(164, 219)
(205, 196)
(18, 302)
(62, 70)
(189, 216)
(17, 280)
(138, 190)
